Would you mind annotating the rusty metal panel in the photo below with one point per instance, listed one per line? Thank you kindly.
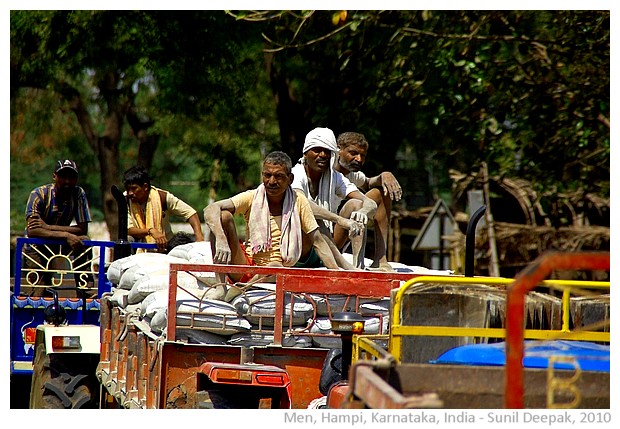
(378, 394)
(468, 387)
(527, 280)
(180, 364)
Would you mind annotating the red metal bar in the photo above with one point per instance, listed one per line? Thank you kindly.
(301, 280)
(171, 334)
(527, 280)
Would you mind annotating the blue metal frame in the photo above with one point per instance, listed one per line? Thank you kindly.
(27, 311)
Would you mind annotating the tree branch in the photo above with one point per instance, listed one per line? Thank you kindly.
(472, 36)
(301, 45)
(602, 118)
(76, 104)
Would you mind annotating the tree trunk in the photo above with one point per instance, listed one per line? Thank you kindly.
(108, 160)
(106, 147)
(291, 119)
(147, 143)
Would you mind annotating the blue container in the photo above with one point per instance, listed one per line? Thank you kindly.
(589, 356)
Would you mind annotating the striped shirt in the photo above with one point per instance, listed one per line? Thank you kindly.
(43, 201)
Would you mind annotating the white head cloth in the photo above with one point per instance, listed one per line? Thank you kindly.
(324, 138)
(320, 137)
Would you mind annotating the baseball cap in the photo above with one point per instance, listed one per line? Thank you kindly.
(66, 163)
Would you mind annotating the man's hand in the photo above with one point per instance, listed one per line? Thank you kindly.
(160, 239)
(360, 216)
(391, 186)
(354, 227)
(35, 221)
(75, 241)
(222, 255)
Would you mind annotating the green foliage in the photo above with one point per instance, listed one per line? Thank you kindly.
(41, 134)
(528, 92)
(525, 91)
(187, 77)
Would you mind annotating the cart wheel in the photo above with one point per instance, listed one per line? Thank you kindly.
(63, 381)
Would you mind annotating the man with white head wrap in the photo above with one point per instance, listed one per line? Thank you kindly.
(325, 188)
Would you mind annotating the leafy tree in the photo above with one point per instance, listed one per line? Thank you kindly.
(152, 71)
(185, 93)
(525, 91)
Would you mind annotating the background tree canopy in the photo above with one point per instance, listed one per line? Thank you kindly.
(199, 97)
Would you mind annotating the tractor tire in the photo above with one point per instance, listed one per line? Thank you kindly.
(63, 381)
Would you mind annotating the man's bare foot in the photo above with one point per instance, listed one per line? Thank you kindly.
(382, 266)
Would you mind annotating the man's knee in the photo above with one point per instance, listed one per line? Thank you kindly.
(349, 207)
(226, 217)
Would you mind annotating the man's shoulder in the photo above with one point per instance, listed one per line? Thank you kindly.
(244, 195)
(358, 178)
(341, 177)
(41, 191)
(298, 169)
(43, 188)
(301, 196)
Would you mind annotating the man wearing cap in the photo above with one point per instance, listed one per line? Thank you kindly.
(60, 210)
(326, 188)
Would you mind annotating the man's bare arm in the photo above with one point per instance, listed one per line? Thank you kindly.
(369, 207)
(213, 219)
(388, 182)
(194, 222)
(324, 214)
(322, 249)
(74, 234)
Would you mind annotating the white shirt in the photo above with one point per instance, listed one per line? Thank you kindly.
(339, 184)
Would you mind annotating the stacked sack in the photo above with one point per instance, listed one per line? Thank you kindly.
(214, 313)
(142, 282)
(375, 312)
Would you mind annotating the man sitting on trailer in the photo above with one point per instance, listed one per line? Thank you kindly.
(150, 208)
(382, 189)
(281, 228)
(59, 210)
(326, 189)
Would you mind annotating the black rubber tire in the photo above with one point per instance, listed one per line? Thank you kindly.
(63, 381)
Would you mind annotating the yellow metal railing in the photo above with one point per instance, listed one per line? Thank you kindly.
(365, 345)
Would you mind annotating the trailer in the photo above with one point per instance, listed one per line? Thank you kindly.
(565, 365)
(142, 369)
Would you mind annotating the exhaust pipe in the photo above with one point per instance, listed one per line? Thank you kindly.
(122, 246)
(470, 240)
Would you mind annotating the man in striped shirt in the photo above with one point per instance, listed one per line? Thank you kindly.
(59, 210)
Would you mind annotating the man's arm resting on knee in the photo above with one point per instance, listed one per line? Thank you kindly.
(322, 249)
(324, 214)
(213, 219)
(368, 209)
(388, 182)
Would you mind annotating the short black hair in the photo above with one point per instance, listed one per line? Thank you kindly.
(136, 175)
(279, 158)
(179, 238)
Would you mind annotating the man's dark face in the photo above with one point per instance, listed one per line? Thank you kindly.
(137, 193)
(352, 157)
(318, 158)
(276, 179)
(65, 181)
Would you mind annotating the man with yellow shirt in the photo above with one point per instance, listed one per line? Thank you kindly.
(281, 228)
(150, 208)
